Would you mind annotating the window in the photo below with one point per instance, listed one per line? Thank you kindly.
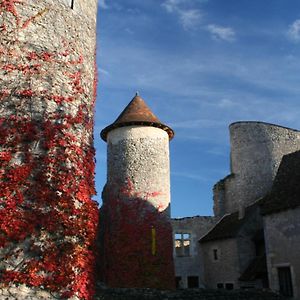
(182, 244)
(72, 3)
(220, 285)
(229, 286)
(215, 254)
(285, 281)
(193, 282)
(178, 281)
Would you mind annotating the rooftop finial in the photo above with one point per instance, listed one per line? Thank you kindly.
(137, 93)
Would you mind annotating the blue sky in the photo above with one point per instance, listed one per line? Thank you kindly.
(200, 65)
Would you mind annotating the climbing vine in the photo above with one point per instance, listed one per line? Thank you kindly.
(136, 241)
(48, 218)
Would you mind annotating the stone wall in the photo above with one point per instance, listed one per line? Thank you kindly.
(135, 233)
(256, 152)
(191, 294)
(47, 92)
(225, 269)
(192, 265)
(245, 238)
(282, 236)
(138, 157)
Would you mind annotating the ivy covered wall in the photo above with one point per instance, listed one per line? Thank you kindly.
(47, 92)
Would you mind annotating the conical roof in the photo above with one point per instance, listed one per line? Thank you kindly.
(136, 112)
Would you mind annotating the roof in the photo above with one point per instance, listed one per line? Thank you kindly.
(136, 112)
(228, 226)
(285, 192)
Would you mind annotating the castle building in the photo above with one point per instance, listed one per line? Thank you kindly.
(47, 92)
(281, 216)
(135, 231)
(254, 237)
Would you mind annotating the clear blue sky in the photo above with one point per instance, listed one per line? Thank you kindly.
(200, 65)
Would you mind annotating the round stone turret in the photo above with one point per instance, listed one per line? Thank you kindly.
(136, 201)
(256, 152)
(138, 153)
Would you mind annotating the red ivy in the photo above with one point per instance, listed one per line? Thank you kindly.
(127, 258)
(48, 218)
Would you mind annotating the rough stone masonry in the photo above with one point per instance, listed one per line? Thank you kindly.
(47, 92)
(136, 233)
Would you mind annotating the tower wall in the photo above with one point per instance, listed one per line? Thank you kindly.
(139, 158)
(135, 212)
(47, 93)
(256, 152)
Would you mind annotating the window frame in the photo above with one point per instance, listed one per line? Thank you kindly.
(287, 291)
(182, 238)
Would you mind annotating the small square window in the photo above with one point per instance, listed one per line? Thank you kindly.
(193, 282)
(177, 236)
(229, 286)
(220, 285)
(186, 236)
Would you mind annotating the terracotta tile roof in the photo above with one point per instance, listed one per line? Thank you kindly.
(136, 113)
(229, 226)
(285, 193)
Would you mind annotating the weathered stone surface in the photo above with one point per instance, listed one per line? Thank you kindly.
(256, 152)
(192, 265)
(282, 234)
(47, 93)
(190, 294)
(138, 156)
(136, 234)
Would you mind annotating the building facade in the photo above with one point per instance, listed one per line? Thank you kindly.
(281, 211)
(254, 238)
(188, 254)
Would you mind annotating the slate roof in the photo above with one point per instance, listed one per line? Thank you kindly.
(285, 193)
(228, 227)
(136, 112)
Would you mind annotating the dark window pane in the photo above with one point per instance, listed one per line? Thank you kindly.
(285, 281)
(220, 286)
(186, 248)
(229, 286)
(178, 282)
(193, 282)
(215, 254)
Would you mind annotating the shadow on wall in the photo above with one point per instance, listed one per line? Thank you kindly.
(136, 247)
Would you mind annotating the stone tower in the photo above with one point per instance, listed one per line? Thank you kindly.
(136, 232)
(47, 92)
(256, 152)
